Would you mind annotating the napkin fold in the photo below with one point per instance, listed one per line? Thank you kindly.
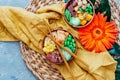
(17, 24)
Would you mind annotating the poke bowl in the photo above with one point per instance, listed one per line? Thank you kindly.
(52, 53)
(79, 13)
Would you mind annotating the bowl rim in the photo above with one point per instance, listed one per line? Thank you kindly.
(64, 46)
(80, 26)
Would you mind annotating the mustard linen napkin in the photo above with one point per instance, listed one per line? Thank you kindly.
(16, 24)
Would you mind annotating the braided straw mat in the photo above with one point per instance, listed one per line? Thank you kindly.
(36, 62)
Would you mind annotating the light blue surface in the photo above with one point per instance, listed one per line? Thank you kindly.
(118, 1)
(17, 3)
(12, 67)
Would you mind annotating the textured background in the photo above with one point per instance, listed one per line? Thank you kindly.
(12, 67)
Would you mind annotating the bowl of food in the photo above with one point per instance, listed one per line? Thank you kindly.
(79, 13)
(52, 53)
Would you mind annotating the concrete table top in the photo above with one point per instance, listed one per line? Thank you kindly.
(12, 67)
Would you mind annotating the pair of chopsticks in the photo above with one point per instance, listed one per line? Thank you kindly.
(66, 63)
(61, 46)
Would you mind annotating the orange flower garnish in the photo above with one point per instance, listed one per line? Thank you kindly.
(99, 35)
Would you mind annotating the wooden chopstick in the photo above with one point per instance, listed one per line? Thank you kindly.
(66, 63)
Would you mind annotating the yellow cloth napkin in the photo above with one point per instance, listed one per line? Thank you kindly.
(16, 24)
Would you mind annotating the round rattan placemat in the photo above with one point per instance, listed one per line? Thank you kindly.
(36, 62)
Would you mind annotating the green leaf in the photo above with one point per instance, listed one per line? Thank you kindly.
(65, 1)
(115, 51)
(117, 73)
(104, 7)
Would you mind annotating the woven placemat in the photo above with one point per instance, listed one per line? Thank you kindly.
(36, 62)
